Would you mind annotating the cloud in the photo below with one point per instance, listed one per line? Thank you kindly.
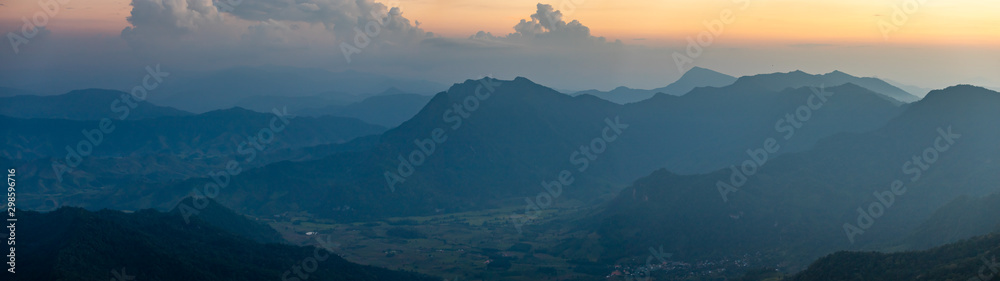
(341, 17)
(200, 36)
(158, 25)
(274, 35)
(546, 26)
(170, 17)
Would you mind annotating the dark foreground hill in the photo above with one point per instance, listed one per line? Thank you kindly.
(75, 244)
(221, 217)
(972, 259)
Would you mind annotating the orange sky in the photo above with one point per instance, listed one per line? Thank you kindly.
(961, 22)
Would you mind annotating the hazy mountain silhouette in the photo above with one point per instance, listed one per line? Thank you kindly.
(693, 78)
(296, 104)
(209, 134)
(916, 91)
(388, 109)
(964, 217)
(525, 133)
(89, 104)
(225, 88)
(10, 92)
(795, 79)
(797, 204)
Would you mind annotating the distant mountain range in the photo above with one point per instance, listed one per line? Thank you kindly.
(701, 77)
(913, 90)
(964, 217)
(387, 110)
(90, 104)
(210, 134)
(787, 167)
(162, 149)
(525, 133)
(226, 88)
(10, 92)
(795, 79)
(941, 149)
(693, 78)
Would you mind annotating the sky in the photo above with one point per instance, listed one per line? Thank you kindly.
(564, 44)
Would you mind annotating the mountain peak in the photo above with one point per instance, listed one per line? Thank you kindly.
(960, 93)
(391, 91)
(837, 74)
(799, 78)
(232, 111)
(700, 72)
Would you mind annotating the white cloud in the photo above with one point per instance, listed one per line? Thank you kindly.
(197, 35)
(546, 26)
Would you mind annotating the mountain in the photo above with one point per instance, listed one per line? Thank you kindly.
(520, 135)
(693, 78)
(712, 128)
(89, 104)
(210, 134)
(800, 206)
(913, 90)
(954, 222)
(76, 244)
(296, 104)
(225, 219)
(779, 81)
(620, 95)
(224, 88)
(387, 109)
(10, 92)
(94, 182)
(972, 259)
(163, 150)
